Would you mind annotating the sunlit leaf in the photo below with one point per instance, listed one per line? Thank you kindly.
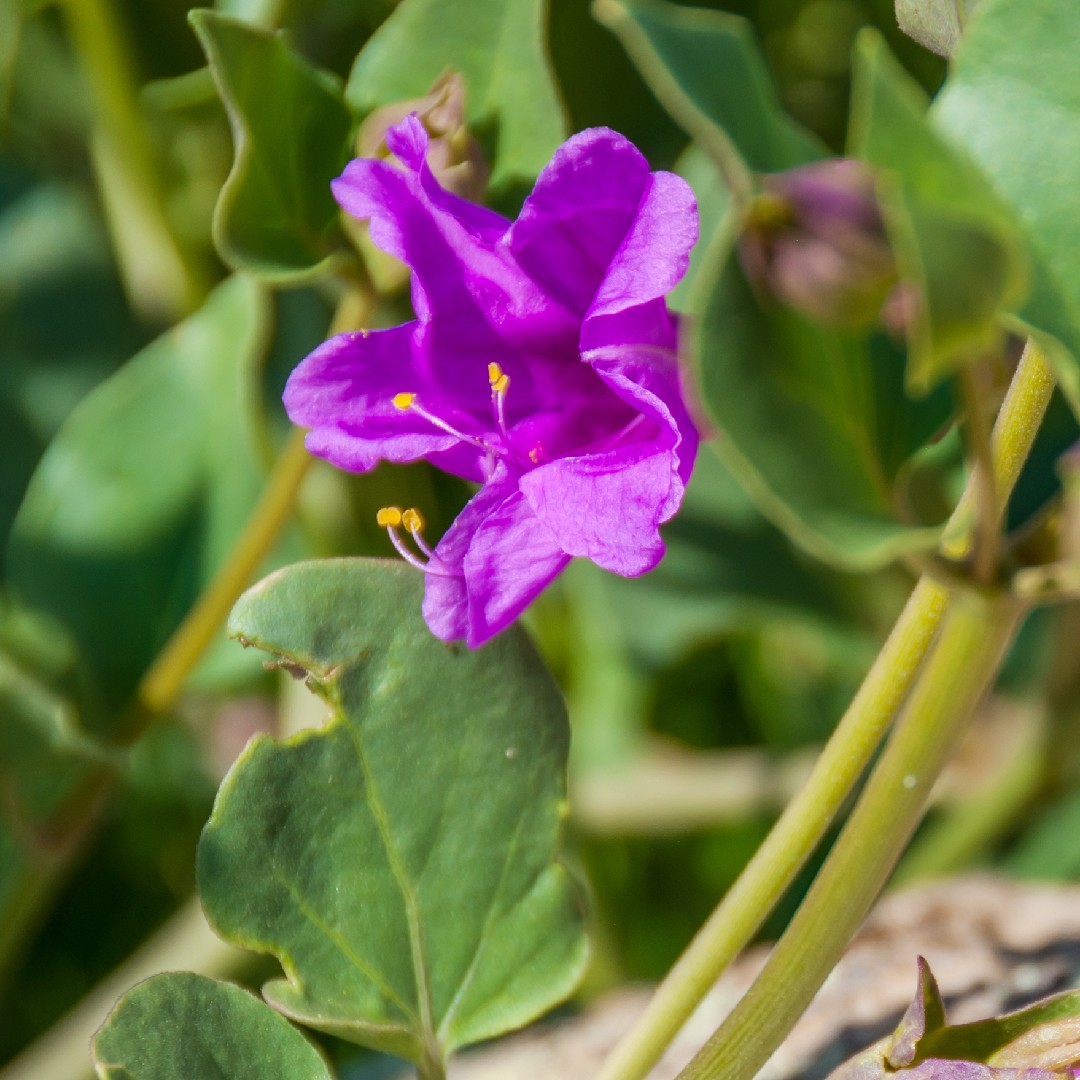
(1015, 83)
(400, 862)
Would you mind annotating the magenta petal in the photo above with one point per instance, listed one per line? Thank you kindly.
(584, 447)
(605, 507)
(655, 252)
(491, 563)
(648, 379)
(446, 597)
(408, 142)
(344, 392)
(579, 214)
(512, 557)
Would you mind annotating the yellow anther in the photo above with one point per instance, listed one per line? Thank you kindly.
(403, 401)
(498, 380)
(413, 520)
(389, 517)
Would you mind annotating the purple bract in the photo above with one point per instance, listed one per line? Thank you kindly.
(541, 364)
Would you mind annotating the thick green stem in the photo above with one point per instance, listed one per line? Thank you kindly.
(973, 640)
(159, 277)
(803, 824)
(986, 534)
(164, 678)
(792, 840)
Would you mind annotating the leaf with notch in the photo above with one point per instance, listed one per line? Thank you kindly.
(400, 862)
(276, 216)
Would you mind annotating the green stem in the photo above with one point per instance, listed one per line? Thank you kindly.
(163, 680)
(975, 634)
(792, 840)
(801, 827)
(158, 276)
(986, 536)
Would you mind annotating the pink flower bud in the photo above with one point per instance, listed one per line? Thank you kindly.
(815, 240)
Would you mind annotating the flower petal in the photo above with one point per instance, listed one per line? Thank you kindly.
(648, 379)
(654, 254)
(408, 141)
(512, 558)
(344, 392)
(606, 507)
(578, 215)
(467, 291)
(491, 563)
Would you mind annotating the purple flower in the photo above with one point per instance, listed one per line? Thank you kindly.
(541, 364)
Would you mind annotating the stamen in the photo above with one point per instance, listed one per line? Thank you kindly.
(413, 520)
(389, 518)
(408, 402)
(500, 383)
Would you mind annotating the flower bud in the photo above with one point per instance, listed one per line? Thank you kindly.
(454, 156)
(815, 240)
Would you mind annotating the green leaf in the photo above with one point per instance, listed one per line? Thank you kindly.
(142, 493)
(276, 216)
(708, 72)
(804, 425)
(400, 861)
(714, 205)
(181, 1026)
(497, 45)
(954, 238)
(1012, 101)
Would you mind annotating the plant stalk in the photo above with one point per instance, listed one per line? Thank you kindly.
(159, 276)
(974, 637)
(800, 828)
(791, 841)
(165, 676)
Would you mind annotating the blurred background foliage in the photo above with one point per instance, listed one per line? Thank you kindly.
(695, 693)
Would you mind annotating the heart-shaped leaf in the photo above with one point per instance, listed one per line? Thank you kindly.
(181, 1026)
(400, 862)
